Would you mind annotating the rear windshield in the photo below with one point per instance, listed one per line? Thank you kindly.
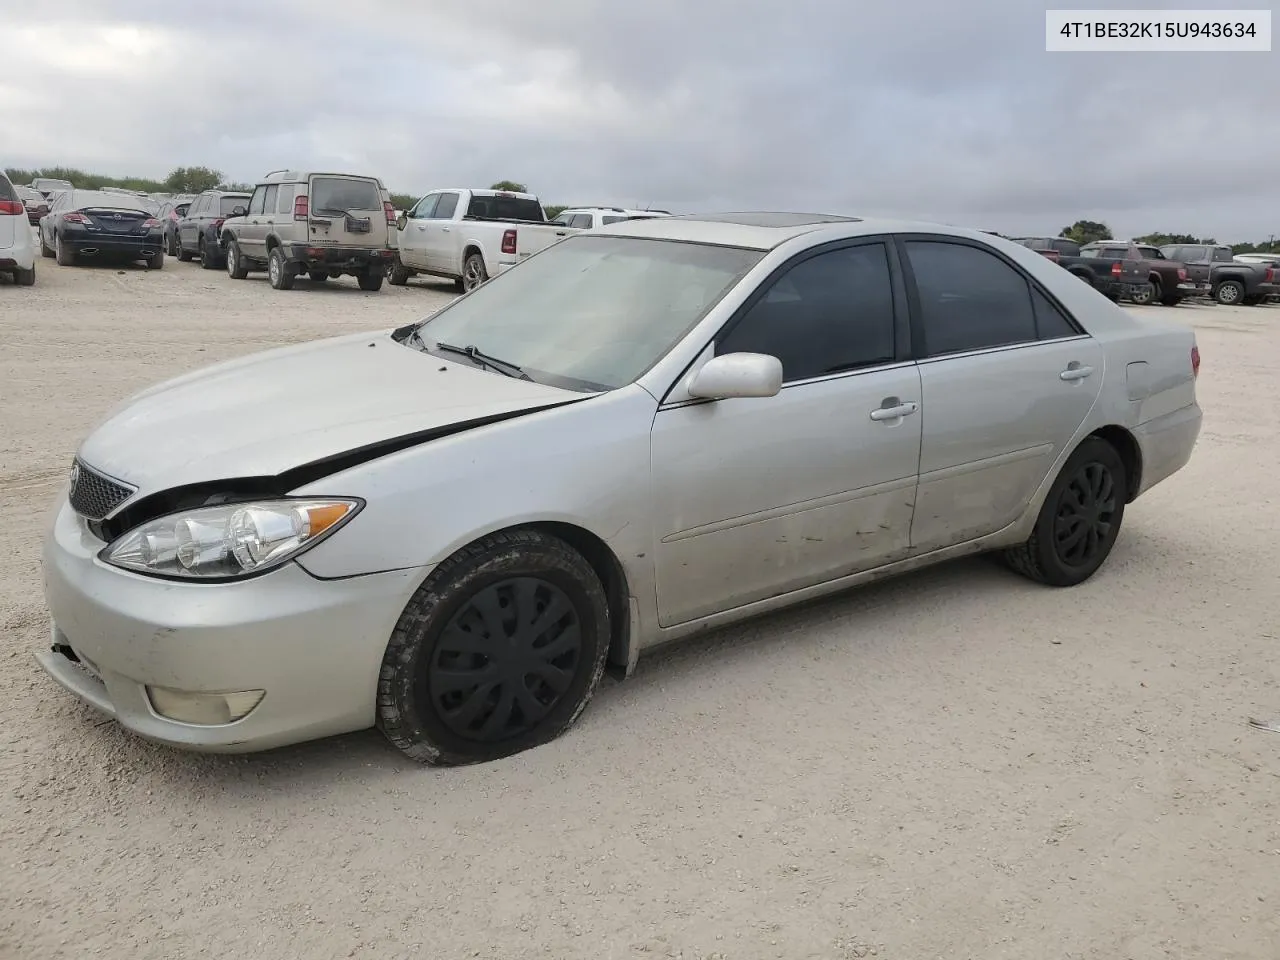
(227, 205)
(116, 201)
(341, 195)
(505, 208)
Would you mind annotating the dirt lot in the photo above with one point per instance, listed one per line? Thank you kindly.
(956, 764)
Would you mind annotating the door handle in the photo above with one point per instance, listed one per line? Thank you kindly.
(894, 412)
(254, 222)
(560, 233)
(1074, 372)
(444, 229)
(422, 226)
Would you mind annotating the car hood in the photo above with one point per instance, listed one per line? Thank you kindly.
(264, 414)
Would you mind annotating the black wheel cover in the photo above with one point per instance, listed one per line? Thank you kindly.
(503, 661)
(1086, 512)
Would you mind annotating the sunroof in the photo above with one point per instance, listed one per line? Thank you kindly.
(766, 219)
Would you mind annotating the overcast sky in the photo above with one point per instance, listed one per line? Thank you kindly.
(947, 110)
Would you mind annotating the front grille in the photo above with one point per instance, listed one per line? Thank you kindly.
(94, 495)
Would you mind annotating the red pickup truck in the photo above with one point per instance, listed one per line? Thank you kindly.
(1149, 275)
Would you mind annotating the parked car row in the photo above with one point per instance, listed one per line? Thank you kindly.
(1168, 275)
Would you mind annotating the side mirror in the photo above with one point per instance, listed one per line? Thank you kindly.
(402, 221)
(238, 211)
(737, 375)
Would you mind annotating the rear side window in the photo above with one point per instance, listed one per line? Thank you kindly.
(1051, 323)
(284, 203)
(269, 203)
(6, 189)
(969, 299)
(341, 195)
(1222, 255)
(829, 313)
(1066, 248)
(181, 209)
(1150, 253)
(446, 208)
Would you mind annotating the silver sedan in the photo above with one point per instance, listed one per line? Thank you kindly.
(449, 530)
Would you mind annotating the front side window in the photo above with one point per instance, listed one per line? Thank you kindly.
(969, 299)
(827, 314)
(581, 221)
(424, 207)
(592, 312)
(259, 201)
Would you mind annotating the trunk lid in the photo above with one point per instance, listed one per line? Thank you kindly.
(117, 220)
(347, 211)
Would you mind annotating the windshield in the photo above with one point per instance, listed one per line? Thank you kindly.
(592, 313)
(340, 193)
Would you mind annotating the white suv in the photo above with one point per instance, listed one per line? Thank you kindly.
(584, 218)
(319, 225)
(17, 243)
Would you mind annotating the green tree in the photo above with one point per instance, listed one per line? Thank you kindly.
(553, 211)
(510, 185)
(192, 179)
(1086, 231)
(1161, 239)
(403, 201)
(236, 187)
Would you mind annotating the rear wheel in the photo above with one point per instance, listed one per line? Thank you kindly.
(399, 274)
(25, 278)
(236, 267)
(208, 259)
(46, 251)
(473, 272)
(317, 276)
(171, 244)
(370, 279)
(1080, 519)
(280, 271)
(1143, 293)
(1229, 292)
(498, 651)
(65, 256)
(155, 261)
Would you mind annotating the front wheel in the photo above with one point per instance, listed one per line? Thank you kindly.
(498, 651)
(1079, 521)
(63, 254)
(172, 245)
(370, 279)
(181, 252)
(25, 278)
(236, 267)
(473, 272)
(46, 251)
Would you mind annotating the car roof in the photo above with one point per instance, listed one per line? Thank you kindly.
(766, 230)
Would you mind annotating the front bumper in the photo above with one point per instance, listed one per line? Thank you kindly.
(315, 646)
(1193, 289)
(358, 259)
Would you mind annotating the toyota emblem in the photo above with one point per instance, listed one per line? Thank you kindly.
(75, 478)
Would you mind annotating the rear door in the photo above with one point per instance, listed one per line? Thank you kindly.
(1006, 380)
(14, 212)
(346, 212)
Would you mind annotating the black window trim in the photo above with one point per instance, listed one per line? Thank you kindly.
(901, 328)
(919, 346)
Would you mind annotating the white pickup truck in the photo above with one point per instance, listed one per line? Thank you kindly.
(469, 236)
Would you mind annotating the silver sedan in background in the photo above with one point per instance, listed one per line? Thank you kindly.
(450, 529)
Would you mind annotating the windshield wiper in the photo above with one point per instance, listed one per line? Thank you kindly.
(493, 363)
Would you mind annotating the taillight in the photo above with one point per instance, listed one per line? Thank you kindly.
(1269, 276)
(1182, 273)
(75, 218)
(12, 208)
(151, 222)
(508, 241)
(391, 211)
(300, 208)
(217, 224)
(1195, 361)
(1116, 269)
(1051, 254)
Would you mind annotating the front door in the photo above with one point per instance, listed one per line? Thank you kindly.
(252, 232)
(1006, 378)
(757, 497)
(441, 245)
(412, 240)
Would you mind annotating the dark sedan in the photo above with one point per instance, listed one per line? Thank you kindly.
(84, 224)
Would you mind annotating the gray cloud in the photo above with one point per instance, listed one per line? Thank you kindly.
(921, 108)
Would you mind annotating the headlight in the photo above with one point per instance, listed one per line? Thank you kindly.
(228, 541)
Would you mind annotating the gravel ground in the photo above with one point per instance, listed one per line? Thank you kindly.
(953, 764)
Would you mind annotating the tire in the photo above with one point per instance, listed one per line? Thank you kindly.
(317, 276)
(172, 244)
(1096, 467)
(25, 278)
(370, 279)
(508, 573)
(64, 256)
(183, 253)
(399, 275)
(280, 271)
(155, 261)
(236, 268)
(473, 272)
(1172, 301)
(45, 250)
(1143, 294)
(1229, 293)
(208, 260)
